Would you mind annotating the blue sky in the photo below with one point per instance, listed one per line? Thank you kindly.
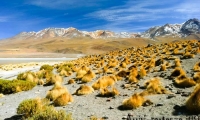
(115, 15)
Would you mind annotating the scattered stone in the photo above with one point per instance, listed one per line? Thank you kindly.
(185, 94)
(111, 108)
(129, 114)
(108, 100)
(163, 75)
(159, 104)
(138, 85)
(176, 107)
(105, 117)
(167, 86)
(126, 86)
(142, 87)
(170, 88)
(179, 92)
(171, 96)
(124, 118)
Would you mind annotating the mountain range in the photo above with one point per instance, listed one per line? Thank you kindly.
(73, 41)
(192, 26)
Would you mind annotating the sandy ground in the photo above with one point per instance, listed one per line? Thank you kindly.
(164, 106)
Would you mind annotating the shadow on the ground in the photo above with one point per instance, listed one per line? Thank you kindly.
(15, 117)
(182, 110)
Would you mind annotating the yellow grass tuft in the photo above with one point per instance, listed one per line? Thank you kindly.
(177, 71)
(193, 102)
(177, 52)
(71, 81)
(63, 99)
(142, 72)
(163, 67)
(84, 90)
(81, 72)
(132, 79)
(104, 82)
(109, 93)
(197, 67)
(56, 91)
(183, 81)
(188, 55)
(122, 74)
(196, 77)
(53, 79)
(88, 76)
(133, 102)
(177, 62)
(153, 86)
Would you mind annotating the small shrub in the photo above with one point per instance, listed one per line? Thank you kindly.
(39, 109)
(193, 102)
(30, 107)
(63, 99)
(56, 91)
(84, 90)
(51, 114)
(14, 86)
(133, 102)
(46, 67)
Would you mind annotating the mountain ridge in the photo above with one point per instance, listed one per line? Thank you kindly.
(191, 26)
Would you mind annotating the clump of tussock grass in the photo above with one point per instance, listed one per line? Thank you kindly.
(193, 102)
(153, 86)
(84, 90)
(39, 109)
(47, 67)
(135, 101)
(104, 82)
(14, 86)
(56, 91)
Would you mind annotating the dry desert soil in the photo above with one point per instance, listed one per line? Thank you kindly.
(165, 106)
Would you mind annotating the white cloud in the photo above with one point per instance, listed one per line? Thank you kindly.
(132, 11)
(189, 9)
(4, 18)
(63, 4)
(141, 11)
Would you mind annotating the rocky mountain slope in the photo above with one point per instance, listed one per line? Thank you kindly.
(72, 33)
(192, 26)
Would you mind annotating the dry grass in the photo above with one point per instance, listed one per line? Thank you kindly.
(183, 81)
(56, 91)
(88, 76)
(193, 102)
(63, 99)
(84, 90)
(177, 71)
(153, 86)
(104, 82)
(197, 67)
(196, 77)
(135, 101)
(53, 79)
(105, 92)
